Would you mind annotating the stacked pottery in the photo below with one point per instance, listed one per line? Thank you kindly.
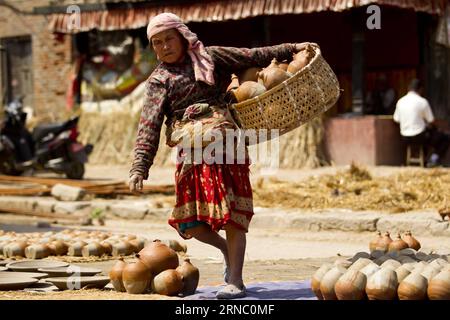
(394, 269)
(156, 269)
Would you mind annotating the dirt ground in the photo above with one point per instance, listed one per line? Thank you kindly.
(272, 254)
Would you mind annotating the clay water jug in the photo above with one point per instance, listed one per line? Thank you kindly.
(382, 285)
(159, 257)
(439, 286)
(116, 275)
(248, 90)
(191, 276)
(329, 281)
(136, 277)
(168, 282)
(317, 278)
(351, 286)
(411, 241)
(413, 287)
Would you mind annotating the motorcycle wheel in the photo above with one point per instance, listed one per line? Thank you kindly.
(75, 171)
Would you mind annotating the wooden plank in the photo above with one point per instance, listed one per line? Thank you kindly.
(39, 214)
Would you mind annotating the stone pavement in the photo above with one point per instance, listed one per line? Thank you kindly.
(423, 222)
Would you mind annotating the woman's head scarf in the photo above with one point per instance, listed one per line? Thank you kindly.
(201, 60)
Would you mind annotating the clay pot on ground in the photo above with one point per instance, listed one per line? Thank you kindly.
(116, 275)
(370, 269)
(398, 244)
(37, 251)
(159, 257)
(168, 283)
(106, 247)
(137, 244)
(382, 285)
(430, 271)
(402, 272)
(317, 278)
(122, 248)
(385, 241)
(94, 249)
(359, 264)
(413, 287)
(412, 242)
(15, 249)
(248, 90)
(75, 250)
(351, 286)
(343, 263)
(329, 281)
(191, 276)
(359, 255)
(177, 246)
(374, 242)
(58, 248)
(136, 277)
(439, 286)
(391, 264)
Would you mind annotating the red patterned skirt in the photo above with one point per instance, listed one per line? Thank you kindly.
(216, 194)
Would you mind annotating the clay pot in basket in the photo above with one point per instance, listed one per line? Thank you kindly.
(136, 277)
(191, 276)
(234, 84)
(168, 282)
(248, 90)
(250, 74)
(159, 257)
(272, 75)
(116, 275)
(301, 60)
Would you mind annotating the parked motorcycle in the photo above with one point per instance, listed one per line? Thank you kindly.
(50, 147)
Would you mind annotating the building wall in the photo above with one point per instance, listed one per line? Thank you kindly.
(51, 57)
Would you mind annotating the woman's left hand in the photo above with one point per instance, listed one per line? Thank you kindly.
(302, 46)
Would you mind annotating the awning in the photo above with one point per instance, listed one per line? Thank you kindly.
(219, 10)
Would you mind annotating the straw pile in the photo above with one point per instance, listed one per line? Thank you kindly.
(356, 189)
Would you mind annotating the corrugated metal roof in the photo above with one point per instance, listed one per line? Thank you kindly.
(220, 10)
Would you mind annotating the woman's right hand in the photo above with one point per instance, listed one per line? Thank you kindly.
(136, 183)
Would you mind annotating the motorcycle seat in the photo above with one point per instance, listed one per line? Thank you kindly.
(44, 129)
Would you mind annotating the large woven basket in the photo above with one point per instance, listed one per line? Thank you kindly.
(307, 94)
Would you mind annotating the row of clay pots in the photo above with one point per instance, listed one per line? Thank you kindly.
(253, 81)
(365, 279)
(156, 269)
(386, 244)
(77, 244)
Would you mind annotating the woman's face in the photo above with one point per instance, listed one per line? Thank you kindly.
(169, 46)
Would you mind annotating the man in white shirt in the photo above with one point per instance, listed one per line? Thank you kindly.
(413, 113)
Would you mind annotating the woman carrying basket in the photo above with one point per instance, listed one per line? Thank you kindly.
(209, 196)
